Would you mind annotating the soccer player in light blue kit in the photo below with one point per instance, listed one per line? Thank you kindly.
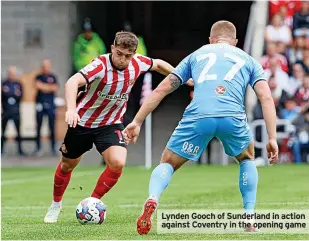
(221, 73)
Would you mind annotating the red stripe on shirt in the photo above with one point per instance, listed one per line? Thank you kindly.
(93, 72)
(94, 97)
(136, 69)
(124, 90)
(145, 60)
(105, 102)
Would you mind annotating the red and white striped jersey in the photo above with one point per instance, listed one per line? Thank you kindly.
(105, 100)
(283, 62)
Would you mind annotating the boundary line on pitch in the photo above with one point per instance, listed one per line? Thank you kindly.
(165, 205)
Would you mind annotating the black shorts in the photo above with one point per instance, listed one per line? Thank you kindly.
(80, 139)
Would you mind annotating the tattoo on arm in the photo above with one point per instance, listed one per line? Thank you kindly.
(174, 81)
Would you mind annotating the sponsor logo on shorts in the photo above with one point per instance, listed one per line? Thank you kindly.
(190, 149)
(220, 90)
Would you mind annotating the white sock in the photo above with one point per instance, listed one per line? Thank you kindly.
(153, 198)
(56, 204)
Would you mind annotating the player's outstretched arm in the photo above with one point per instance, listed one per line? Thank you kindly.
(161, 67)
(262, 91)
(168, 85)
(71, 88)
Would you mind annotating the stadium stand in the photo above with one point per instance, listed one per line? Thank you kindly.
(286, 64)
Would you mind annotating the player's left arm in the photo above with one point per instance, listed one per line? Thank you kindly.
(262, 90)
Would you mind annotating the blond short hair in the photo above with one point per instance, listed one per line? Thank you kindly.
(223, 29)
(126, 40)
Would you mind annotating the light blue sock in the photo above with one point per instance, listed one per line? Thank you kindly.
(248, 180)
(159, 179)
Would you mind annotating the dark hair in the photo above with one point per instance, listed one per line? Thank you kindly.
(126, 40)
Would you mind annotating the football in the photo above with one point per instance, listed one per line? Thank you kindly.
(91, 211)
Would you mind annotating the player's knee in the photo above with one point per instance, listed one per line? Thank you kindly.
(173, 164)
(171, 158)
(116, 164)
(68, 165)
(247, 154)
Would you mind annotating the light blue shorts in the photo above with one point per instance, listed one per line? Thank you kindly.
(191, 137)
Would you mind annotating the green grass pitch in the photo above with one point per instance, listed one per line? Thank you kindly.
(27, 193)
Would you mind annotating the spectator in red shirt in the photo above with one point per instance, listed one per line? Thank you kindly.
(271, 51)
(282, 78)
(283, 12)
(291, 7)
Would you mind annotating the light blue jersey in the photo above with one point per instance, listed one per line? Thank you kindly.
(221, 74)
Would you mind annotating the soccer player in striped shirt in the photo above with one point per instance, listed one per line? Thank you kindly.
(95, 116)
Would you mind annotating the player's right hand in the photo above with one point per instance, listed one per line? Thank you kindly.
(272, 150)
(72, 118)
(131, 132)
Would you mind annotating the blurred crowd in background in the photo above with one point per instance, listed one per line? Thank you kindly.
(286, 64)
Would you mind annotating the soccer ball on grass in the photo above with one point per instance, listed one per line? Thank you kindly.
(91, 211)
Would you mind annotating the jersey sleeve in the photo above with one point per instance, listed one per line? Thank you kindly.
(94, 70)
(183, 70)
(257, 73)
(145, 63)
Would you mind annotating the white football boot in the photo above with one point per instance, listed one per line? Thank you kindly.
(52, 214)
